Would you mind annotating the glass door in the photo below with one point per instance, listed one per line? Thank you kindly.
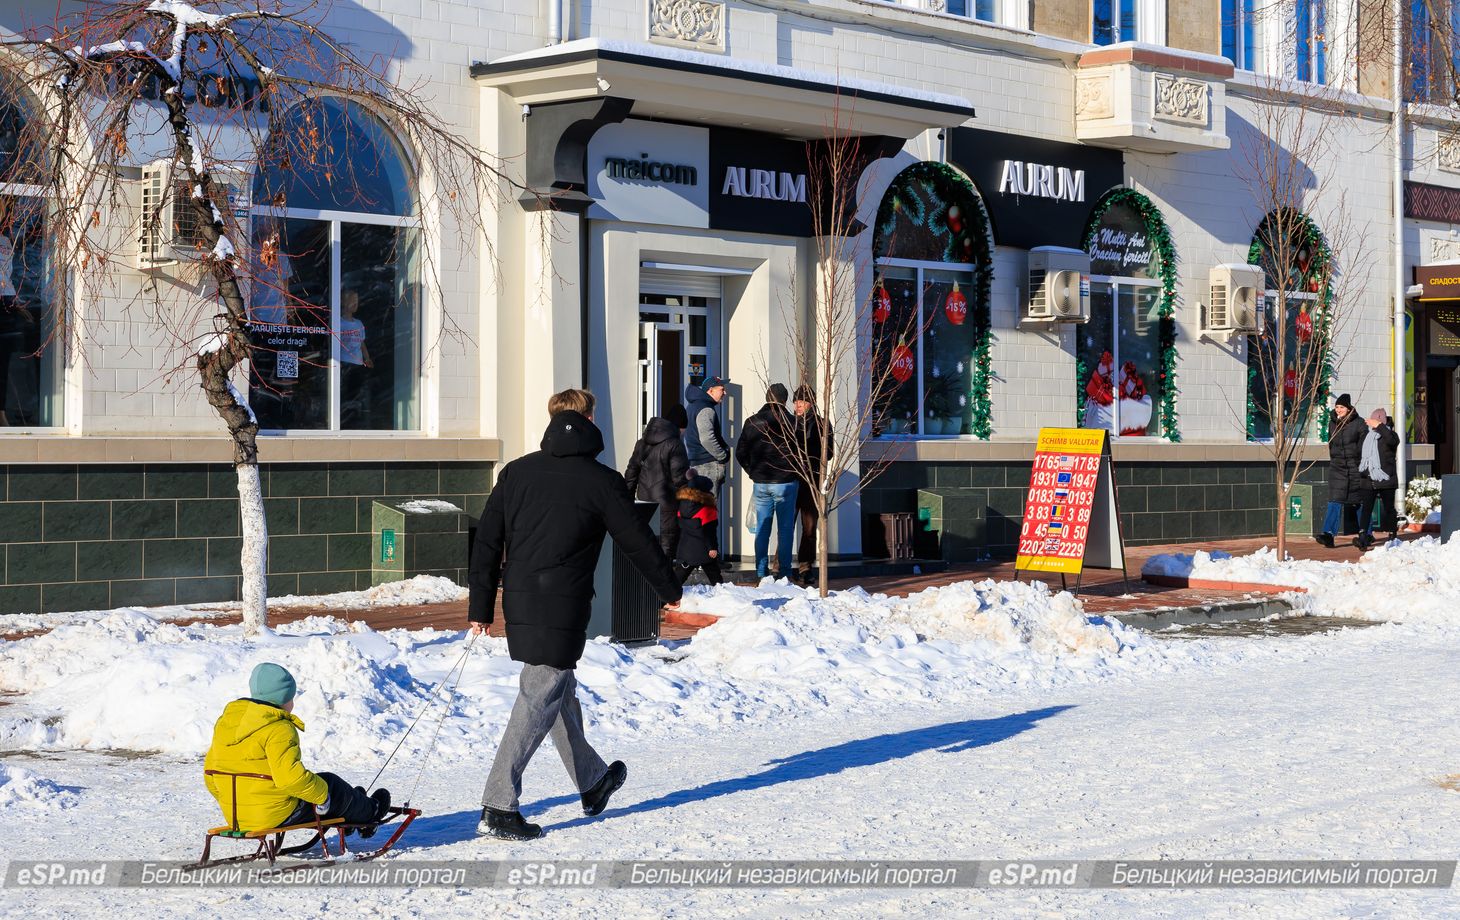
(663, 362)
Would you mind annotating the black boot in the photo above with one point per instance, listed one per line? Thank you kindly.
(381, 798)
(595, 800)
(1326, 539)
(507, 825)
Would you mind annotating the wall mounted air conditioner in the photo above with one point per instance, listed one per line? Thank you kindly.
(170, 231)
(1234, 301)
(1059, 286)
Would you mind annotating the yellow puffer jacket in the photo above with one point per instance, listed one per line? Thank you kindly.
(254, 737)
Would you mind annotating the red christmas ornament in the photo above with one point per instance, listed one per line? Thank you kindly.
(1290, 384)
(903, 363)
(955, 219)
(1304, 324)
(881, 305)
(956, 306)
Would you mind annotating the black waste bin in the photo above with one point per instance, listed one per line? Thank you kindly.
(635, 603)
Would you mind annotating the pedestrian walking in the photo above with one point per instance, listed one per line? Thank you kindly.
(658, 469)
(699, 531)
(539, 540)
(1345, 485)
(1377, 467)
(763, 453)
(813, 435)
(704, 442)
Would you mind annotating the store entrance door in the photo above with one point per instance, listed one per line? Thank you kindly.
(662, 366)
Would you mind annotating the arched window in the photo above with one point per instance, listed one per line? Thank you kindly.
(30, 361)
(334, 303)
(1125, 356)
(930, 304)
(1291, 355)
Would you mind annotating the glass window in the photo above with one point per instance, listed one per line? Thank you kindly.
(895, 316)
(1290, 356)
(334, 305)
(977, 9)
(31, 362)
(1113, 21)
(1237, 32)
(1434, 53)
(1311, 41)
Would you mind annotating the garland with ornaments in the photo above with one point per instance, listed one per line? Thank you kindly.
(1313, 264)
(933, 212)
(1160, 235)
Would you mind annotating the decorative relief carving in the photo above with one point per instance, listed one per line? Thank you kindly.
(696, 24)
(937, 6)
(1443, 249)
(1449, 153)
(1093, 98)
(1181, 99)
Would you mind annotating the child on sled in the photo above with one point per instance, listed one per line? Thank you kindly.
(259, 735)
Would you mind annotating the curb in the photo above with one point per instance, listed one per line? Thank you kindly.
(1181, 581)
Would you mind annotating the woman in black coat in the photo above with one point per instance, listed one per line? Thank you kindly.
(1378, 457)
(658, 469)
(1345, 486)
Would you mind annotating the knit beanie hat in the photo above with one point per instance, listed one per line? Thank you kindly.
(270, 683)
(1346, 401)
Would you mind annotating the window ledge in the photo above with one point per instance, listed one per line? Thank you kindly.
(293, 449)
(1253, 85)
(1429, 113)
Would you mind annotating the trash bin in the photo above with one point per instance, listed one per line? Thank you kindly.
(1300, 510)
(897, 529)
(420, 537)
(635, 604)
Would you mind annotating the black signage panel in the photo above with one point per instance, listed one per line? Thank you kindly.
(759, 183)
(1037, 192)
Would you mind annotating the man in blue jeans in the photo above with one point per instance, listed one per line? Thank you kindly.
(765, 451)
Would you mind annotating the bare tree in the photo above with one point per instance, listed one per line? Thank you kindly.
(853, 349)
(1308, 246)
(121, 82)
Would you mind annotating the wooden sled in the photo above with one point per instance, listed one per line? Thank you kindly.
(271, 839)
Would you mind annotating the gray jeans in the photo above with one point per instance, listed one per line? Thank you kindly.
(546, 704)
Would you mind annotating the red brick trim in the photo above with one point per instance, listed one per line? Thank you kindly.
(1172, 59)
(1181, 581)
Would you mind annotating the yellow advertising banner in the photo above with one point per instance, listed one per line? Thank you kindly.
(1062, 502)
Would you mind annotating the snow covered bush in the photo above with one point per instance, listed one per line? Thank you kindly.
(1422, 499)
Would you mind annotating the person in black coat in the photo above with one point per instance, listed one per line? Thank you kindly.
(812, 433)
(699, 530)
(1345, 486)
(539, 540)
(658, 469)
(764, 453)
(1378, 469)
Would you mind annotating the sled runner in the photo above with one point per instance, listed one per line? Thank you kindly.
(271, 839)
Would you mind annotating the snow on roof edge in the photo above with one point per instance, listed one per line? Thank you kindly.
(719, 62)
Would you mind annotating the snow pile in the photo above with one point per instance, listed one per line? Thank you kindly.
(410, 592)
(428, 506)
(1411, 581)
(129, 681)
(20, 788)
(1182, 565)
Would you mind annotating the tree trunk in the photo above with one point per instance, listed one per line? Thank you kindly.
(255, 528)
(1282, 515)
(822, 552)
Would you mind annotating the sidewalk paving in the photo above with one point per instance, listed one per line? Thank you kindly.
(1102, 590)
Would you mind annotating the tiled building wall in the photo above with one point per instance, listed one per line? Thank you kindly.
(79, 537)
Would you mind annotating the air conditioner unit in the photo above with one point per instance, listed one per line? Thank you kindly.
(1234, 301)
(1059, 286)
(170, 230)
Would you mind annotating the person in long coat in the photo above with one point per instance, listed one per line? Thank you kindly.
(658, 469)
(1378, 469)
(1346, 487)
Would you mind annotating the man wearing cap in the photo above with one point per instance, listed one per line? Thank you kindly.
(259, 735)
(1346, 487)
(708, 451)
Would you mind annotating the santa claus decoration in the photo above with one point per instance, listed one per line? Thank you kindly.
(1304, 324)
(1135, 402)
(1100, 395)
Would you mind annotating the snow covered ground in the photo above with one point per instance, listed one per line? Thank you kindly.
(978, 721)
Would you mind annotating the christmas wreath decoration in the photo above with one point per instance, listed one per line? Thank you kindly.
(1314, 262)
(933, 212)
(1160, 234)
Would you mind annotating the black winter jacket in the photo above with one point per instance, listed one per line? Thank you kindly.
(655, 472)
(1345, 446)
(761, 450)
(699, 530)
(696, 403)
(539, 540)
(811, 431)
(1388, 459)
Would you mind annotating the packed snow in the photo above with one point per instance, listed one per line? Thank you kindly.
(21, 789)
(409, 592)
(428, 506)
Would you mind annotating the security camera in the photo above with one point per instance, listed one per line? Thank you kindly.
(526, 110)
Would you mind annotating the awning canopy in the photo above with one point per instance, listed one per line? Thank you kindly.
(699, 88)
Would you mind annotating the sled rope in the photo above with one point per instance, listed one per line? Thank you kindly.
(461, 664)
(440, 721)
